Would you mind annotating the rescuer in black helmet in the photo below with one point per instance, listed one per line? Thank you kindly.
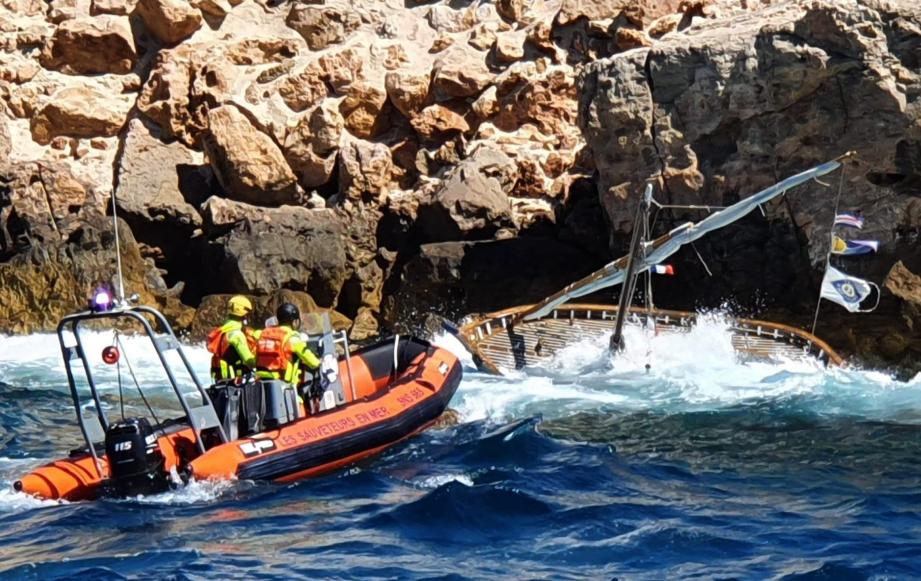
(281, 350)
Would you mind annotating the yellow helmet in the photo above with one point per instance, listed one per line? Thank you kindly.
(239, 306)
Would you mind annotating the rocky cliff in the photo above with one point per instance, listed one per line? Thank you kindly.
(384, 159)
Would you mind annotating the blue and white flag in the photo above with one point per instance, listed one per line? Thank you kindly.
(847, 291)
(853, 247)
(849, 219)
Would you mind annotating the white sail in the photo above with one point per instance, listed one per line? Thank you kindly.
(661, 248)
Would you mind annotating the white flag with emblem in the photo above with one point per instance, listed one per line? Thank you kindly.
(847, 291)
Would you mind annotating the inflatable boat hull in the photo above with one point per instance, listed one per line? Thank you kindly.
(390, 397)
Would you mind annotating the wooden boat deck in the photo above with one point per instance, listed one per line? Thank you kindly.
(500, 345)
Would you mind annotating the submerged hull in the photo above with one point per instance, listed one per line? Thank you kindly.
(501, 340)
(383, 407)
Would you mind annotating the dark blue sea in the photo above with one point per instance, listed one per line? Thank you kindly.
(706, 466)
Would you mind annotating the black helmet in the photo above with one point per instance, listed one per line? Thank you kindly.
(287, 314)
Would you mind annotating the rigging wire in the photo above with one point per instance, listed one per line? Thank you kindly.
(831, 245)
(136, 384)
(118, 371)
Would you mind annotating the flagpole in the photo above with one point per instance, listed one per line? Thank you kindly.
(831, 245)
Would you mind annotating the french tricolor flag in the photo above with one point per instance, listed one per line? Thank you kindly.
(849, 219)
(663, 269)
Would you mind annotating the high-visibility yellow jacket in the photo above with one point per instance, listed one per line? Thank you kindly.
(231, 346)
(280, 352)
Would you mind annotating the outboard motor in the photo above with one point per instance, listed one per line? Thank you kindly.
(136, 465)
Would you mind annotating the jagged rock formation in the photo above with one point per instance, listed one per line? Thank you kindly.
(387, 158)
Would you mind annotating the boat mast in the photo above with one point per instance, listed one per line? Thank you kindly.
(626, 295)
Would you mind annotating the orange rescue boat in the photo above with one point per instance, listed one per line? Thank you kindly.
(362, 403)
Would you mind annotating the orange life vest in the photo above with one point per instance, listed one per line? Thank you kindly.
(273, 350)
(223, 352)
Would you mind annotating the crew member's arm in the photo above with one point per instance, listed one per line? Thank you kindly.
(237, 340)
(299, 348)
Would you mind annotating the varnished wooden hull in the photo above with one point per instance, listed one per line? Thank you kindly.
(498, 344)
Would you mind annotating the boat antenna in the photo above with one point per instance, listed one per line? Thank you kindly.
(831, 242)
(118, 252)
(629, 285)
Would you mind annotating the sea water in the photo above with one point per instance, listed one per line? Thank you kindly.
(585, 467)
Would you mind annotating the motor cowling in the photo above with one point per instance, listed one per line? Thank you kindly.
(136, 464)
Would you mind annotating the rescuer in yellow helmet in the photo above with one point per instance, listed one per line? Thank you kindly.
(233, 343)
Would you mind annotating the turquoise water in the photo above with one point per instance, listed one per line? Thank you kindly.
(705, 466)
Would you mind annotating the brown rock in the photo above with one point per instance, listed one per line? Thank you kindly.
(510, 47)
(325, 125)
(627, 38)
(116, 7)
(341, 69)
(642, 13)
(518, 11)
(441, 42)
(486, 104)
(322, 26)
(549, 100)
(473, 201)
(41, 285)
(664, 25)
(436, 120)
(62, 10)
(444, 19)
(572, 10)
(150, 181)
(246, 161)
(257, 51)
(407, 90)
(300, 248)
(306, 305)
(311, 146)
(396, 57)
(304, 90)
(185, 83)
(530, 182)
(103, 44)
(212, 311)
(46, 199)
(483, 37)
(5, 145)
(540, 35)
(460, 72)
(171, 21)
(220, 213)
(365, 168)
(362, 109)
(892, 346)
(79, 112)
(906, 285)
(365, 326)
(216, 8)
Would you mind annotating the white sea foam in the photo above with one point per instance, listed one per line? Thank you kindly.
(431, 482)
(35, 360)
(697, 370)
(12, 501)
(194, 492)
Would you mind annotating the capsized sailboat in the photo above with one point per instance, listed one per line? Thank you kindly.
(521, 336)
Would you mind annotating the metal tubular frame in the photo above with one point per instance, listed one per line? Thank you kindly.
(72, 324)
